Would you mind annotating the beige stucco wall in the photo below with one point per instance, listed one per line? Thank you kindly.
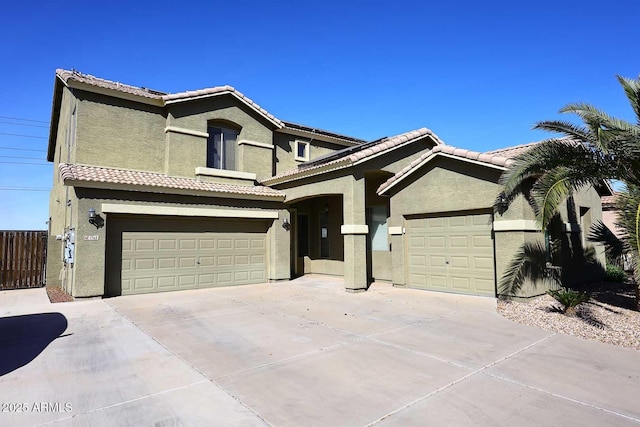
(284, 155)
(225, 111)
(119, 134)
(62, 200)
(108, 127)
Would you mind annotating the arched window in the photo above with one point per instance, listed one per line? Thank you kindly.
(221, 147)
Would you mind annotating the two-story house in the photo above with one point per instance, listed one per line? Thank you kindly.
(155, 191)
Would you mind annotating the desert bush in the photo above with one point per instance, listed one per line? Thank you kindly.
(569, 299)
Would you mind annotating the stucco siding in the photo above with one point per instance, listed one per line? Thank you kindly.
(227, 111)
(284, 156)
(119, 134)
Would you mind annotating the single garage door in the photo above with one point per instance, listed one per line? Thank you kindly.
(451, 254)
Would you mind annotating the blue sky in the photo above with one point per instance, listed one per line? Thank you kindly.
(479, 74)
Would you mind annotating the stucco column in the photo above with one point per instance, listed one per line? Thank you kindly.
(279, 253)
(355, 232)
(89, 267)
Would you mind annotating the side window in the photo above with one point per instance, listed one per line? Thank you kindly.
(379, 239)
(302, 149)
(221, 148)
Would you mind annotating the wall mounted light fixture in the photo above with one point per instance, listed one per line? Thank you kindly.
(286, 224)
(95, 219)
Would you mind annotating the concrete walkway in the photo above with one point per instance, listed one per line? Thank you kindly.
(301, 353)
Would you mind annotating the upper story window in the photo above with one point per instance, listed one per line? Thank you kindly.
(302, 149)
(221, 148)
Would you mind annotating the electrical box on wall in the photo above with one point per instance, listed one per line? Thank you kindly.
(69, 247)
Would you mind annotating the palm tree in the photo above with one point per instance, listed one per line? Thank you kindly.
(601, 148)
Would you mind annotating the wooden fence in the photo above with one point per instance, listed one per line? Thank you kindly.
(23, 256)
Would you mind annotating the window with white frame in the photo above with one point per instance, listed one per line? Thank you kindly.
(302, 149)
(221, 148)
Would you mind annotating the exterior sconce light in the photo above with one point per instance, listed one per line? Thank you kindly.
(286, 224)
(95, 219)
(502, 203)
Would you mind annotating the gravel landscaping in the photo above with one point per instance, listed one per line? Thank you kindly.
(607, 317)
(56, 294)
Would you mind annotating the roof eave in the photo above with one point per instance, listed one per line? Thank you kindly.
(170, 190)
(384, 191)
(345, 163)
(158, 102)
(55, 116)
(277, 123)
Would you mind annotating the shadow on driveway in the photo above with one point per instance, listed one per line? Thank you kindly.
(23, 338)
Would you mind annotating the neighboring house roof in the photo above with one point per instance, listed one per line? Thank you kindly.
(100, 177)
(514, 151)
(487, 159)
(609, 201)
(351, 156)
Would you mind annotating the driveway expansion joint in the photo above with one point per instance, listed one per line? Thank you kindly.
(452, 383)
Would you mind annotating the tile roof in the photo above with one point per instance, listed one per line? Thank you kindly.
(219, 90)
(488, 158)
(66, 76)
(349, 157)
(163, 97)
(147, 180)
(514, 151)
(609, 201)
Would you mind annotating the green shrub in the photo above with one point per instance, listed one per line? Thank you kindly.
(615, 274)
(569, 299)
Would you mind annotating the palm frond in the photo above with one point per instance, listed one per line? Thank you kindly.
(580, 133)
(632, 90)
(614, 247)
(529, 263)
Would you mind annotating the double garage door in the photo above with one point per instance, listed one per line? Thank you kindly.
(162, 256)
(451, 254)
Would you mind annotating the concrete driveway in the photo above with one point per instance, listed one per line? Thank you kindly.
(301, 353)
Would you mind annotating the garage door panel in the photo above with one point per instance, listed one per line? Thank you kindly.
(167, 282)
(461, 283)
(437, 261)
(437, 282)
(225, 244)
(161, 261)
(418, 260)
(458, 251)
(257, 260)
(437, 242)
(207, 261)
(206, 244)
(167, 244)
(483, 263)
(460, 262)
(417, 242)
(145, 264)
(143, 283)
(258, 244)
(145, 245)
(187, 262)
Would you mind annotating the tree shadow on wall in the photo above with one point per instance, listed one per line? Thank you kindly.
(23, 338)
